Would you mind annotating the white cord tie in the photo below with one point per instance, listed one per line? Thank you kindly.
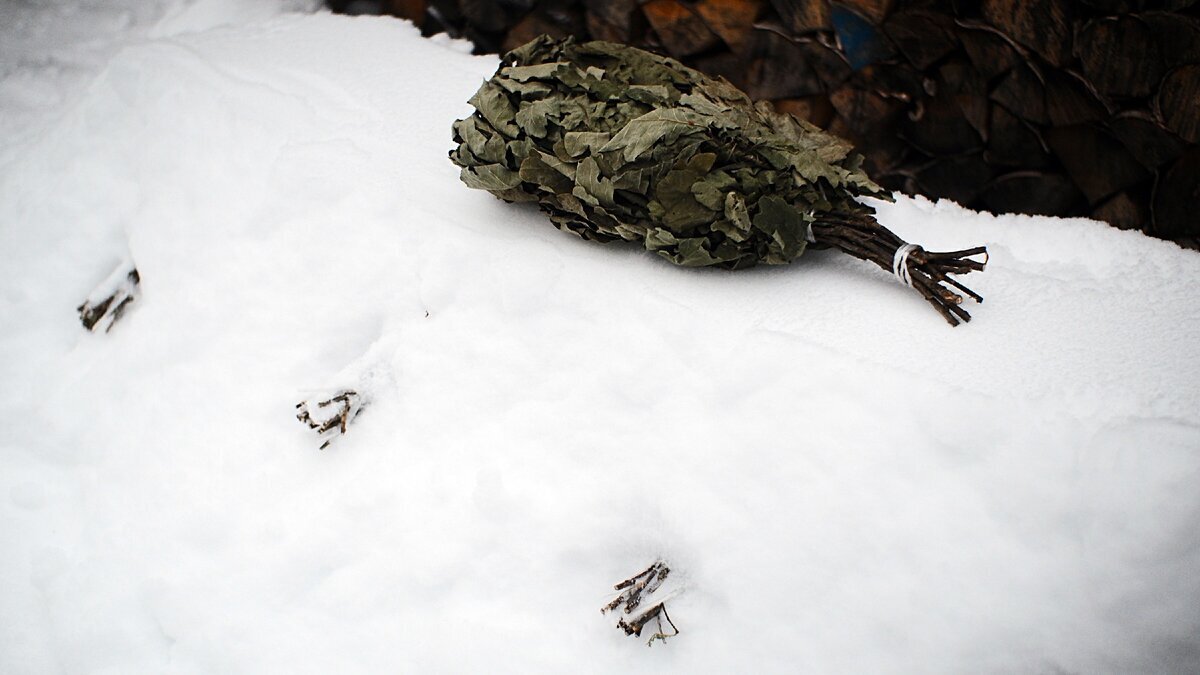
(900, 263)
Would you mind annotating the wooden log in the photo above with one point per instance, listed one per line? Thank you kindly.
(860, 39)
(413, 10)
(538, 23)
(444, 16)
(1178, 102)
(828, 63)
(1177, 36)
(778, 68)
(1175, 198)
(1032, 192)
(803, 16)
(1013, 142)
(1114, 6)
(813, 109)
(680, 28)
(874, 10)
(992, 53)
(959, 179)
(721, 64)
(1124, 212)
(1146, 138)
(731, 20)
(1096, 161)
(864, 112)
(1023, 93)
(485, 15)
(938, 128)
(923, 36)
(884, 154)
(614, 20)
(968, 88)
(1043, 26)
(1070, 99)
(1120, 56)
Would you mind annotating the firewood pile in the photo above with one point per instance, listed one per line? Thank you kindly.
(1050, 107)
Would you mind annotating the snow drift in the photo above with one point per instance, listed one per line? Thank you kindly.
(840, 482)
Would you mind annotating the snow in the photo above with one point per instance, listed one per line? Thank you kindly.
(839, 481)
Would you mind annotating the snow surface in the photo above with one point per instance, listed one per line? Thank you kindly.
(839, 480)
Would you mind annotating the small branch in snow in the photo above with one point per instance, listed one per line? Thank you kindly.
(634, 590)
(349, 404)
(108, 302)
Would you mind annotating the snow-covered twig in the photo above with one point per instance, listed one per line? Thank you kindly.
(633, 591)
(349, 404)
(108, 301)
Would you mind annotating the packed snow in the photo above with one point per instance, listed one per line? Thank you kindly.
(839, 481)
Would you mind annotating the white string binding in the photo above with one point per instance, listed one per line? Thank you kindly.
(900, 264)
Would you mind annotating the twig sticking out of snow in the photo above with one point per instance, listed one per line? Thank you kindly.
(349, 404)
(633, 591)
(108, 301)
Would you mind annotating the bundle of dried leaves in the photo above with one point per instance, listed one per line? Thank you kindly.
(617, 143)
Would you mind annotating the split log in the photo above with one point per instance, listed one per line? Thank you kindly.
(1114, 6)
(1070, 99)
(1179, 102)
(732, 20)
(1176, 196)
(874, 10)
(1013, 142)
(1146, 138)
(533, 25)
(859, 39)
(1177, 36)
(992, 53)
(1124, 212)
(1097, 162)
(817, 110)
(1043, 26)
(939, 128)
(830, 65)
(1023, 93)
(862, 111)
(803, 16)
(1033, 192)
(721, 64)
(960, 179)
(680, 28)
(777, 68)
(485, 15)
(924, 37)
(613, 20)
(1120, 56)
(969, 91)
(413, 10)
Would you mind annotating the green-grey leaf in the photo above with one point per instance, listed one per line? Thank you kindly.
(664, 125)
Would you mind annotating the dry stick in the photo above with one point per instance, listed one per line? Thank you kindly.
(863, 237)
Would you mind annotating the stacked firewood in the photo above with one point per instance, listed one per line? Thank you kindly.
(1052, 107)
